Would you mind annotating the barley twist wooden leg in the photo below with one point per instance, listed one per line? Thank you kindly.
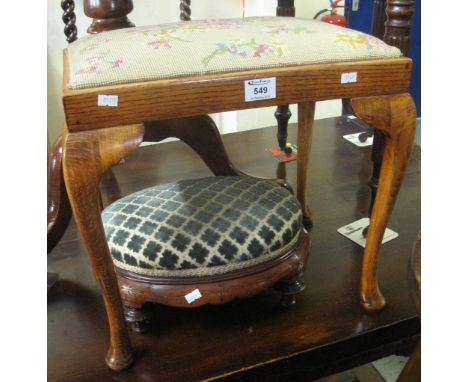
(395, 116)
(87, 154)
(306, 113)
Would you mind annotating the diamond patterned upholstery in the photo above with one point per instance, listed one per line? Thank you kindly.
(202, 227)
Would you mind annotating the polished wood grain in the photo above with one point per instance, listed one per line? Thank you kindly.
(108, 14)
(325, 332)
(378, 29)
(395, 31)
(148, 101)
(306, 113)
(398, 24)
(69, 18)
(183, 97)
(58, 207)
(377, 156)
(396, 117)
(86, 156)
(378, 18)
(94, 143)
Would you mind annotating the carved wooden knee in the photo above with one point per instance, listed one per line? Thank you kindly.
(87, 154)
(395, 116)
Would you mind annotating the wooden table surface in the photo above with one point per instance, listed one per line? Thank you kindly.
(254, 339)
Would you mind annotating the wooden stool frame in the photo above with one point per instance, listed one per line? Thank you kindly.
(95, 138)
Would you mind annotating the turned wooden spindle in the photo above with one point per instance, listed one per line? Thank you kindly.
(185, 10)
(285, 8)
(69, 18)
(398, 24)
(378, 18)
(282, 113)
(108, 14)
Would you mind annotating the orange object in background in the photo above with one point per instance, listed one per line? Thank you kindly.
(282, 156)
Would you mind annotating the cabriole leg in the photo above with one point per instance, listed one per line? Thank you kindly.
(395, 116)
(87, 154)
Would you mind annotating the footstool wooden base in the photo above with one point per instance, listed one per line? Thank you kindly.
(136, 290)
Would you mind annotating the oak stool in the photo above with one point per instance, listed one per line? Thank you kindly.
(211, 240)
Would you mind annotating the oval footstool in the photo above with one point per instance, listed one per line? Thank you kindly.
(206, 240)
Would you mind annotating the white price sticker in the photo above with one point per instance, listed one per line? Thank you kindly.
(261, 88)
(108, 100)
(193, 295)
(348, 77)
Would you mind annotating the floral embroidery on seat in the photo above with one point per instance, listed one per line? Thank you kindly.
(249, 49)
(213, 46)
(277, 29)
(361, 39)
(165, 37)
(96, 57)
(352, 40)
(98, 64)
(156, 44)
